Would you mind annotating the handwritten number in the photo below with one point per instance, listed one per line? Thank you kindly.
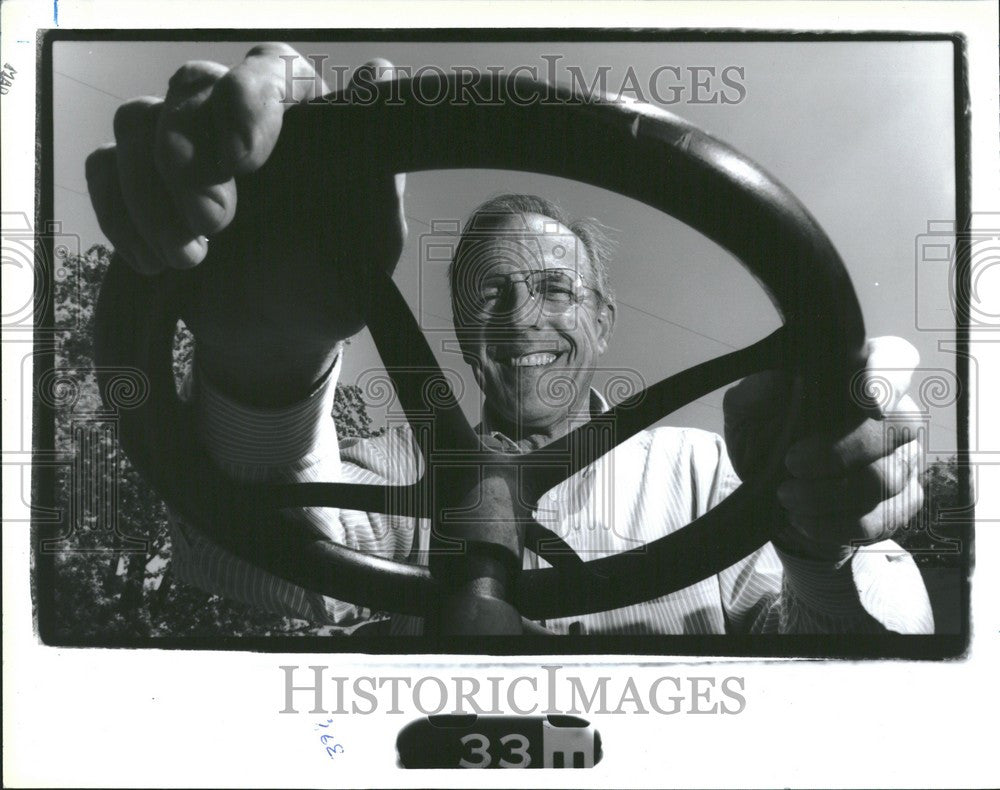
(476, 751)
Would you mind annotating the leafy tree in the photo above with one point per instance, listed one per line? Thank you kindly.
(350, 412)
(938, 535)
(113, 577)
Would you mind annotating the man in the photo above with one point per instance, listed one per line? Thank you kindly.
(532, 304)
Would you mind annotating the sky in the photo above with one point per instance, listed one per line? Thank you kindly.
(861, 132)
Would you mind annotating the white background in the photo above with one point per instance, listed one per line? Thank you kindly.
(170, 718)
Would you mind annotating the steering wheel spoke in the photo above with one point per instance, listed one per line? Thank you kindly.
(421, 386)
(548, 466)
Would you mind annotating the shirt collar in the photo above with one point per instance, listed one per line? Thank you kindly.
(497, 440)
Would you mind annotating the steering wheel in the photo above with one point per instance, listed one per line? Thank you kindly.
(638, 151)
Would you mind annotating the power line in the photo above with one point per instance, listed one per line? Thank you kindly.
(88, 85)
(74, 191)
(679, 326)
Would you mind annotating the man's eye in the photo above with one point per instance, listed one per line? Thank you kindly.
(556, 290)
(489, 293)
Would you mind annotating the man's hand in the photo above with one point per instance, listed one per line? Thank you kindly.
(283, 280)
(847, 487)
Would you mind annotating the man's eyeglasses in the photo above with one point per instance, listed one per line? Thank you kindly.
(559, 290)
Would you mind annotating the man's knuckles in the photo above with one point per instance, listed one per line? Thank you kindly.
(824, 455)
(99, 168)
(193, 78)
(892, 514)
(206, 203)
(112, 216)
(175, 154)
(135, 120)
(853, 494)
(878, 523)
(246, 109)
(180, 133)
(271, 49)
(147, 200)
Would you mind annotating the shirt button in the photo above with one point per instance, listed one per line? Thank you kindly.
(553, 495)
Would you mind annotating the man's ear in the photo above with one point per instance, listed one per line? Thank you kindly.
(605, 325)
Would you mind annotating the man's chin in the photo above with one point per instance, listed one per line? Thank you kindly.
(530, 417)
(532, 412)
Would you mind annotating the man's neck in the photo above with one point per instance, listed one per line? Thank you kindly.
(526, 438)
(531, 437)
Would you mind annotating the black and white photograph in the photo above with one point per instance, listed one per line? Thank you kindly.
(452, 396)
(544, 305)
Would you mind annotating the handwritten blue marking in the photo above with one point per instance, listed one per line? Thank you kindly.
(331, 751)
(55, 11)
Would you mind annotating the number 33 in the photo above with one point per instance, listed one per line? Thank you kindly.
(480, 749)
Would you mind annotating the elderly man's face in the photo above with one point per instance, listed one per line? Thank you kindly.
(533, 356)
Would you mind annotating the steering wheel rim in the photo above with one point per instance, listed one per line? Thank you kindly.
(638, 151)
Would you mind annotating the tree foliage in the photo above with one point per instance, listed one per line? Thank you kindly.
(112, 565)
(938, 536)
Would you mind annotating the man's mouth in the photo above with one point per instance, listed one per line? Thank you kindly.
(533, 360)
(524, 359)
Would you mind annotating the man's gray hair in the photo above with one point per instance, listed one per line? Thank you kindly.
(590, 232)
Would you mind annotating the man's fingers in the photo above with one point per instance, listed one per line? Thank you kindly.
(146, 195)
(298, 72)
(362, 85)
(856, 493)
(186, 156)
(820, 456)
(112, 215)
(248, 103)
(877, 524)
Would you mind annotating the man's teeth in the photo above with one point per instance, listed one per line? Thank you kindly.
(533, 360)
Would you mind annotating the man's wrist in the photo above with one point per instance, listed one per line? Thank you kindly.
(267, 378)
(791, 544)
(824, 585)
(245, 439)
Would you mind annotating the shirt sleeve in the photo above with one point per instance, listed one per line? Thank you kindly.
(293, 444)
(877, 588)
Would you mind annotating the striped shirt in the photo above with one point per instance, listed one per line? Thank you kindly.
(649, 486)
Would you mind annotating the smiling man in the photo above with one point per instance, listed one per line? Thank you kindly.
(534, 312)
(532, 309)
